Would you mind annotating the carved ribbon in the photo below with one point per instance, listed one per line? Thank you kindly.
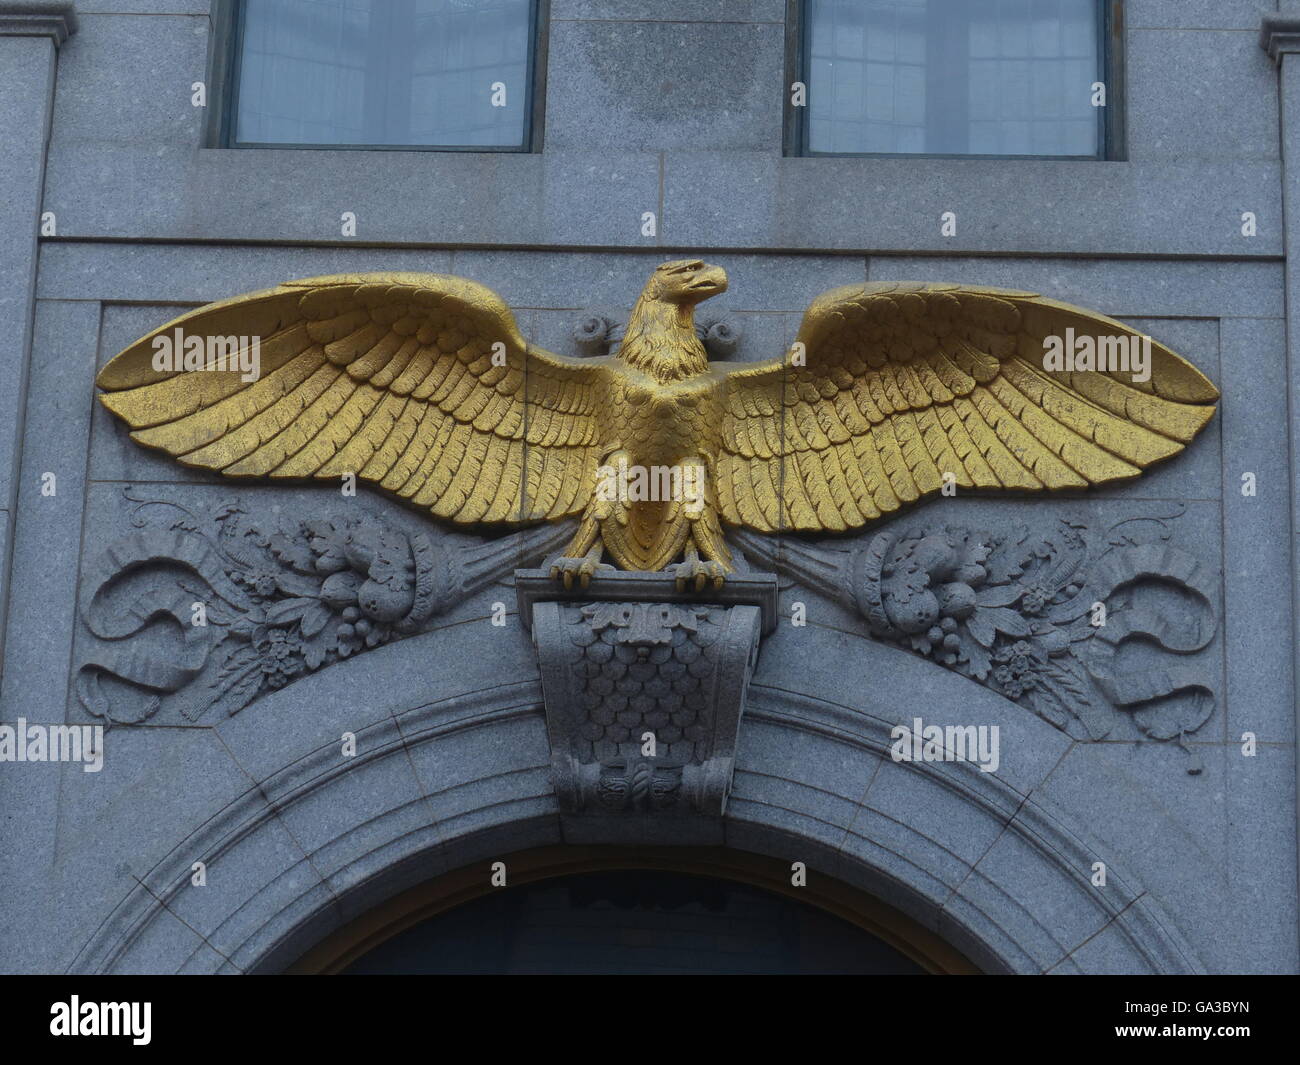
(1149, 562)
(131, 662)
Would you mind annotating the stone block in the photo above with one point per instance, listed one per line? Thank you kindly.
(369, 802)
(188, 275)
(918, 800)
(1029, 746)
(1051, 207)
(671, 10)
(1258, 605)
(126, 79)
(1259, 933)
(636, 85)
(571, 198)
(1197, 14)
(26, 83)
(1227, 109)
(1164, 824)
(164, 947)
(1123, 289)
(454, 765)
(47, 527)
(260, 874)
(1049, 916)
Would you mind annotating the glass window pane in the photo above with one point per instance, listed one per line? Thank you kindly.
(954, 77)
(384, 72)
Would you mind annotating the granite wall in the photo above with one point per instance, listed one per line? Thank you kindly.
(674, 108)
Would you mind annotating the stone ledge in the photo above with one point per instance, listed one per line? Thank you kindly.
(1279, 35)
(739, 589)
(58, 21)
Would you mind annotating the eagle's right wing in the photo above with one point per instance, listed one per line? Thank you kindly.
(906, 385)
(388, 376)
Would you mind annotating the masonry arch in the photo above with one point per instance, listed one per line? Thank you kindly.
(972, 864)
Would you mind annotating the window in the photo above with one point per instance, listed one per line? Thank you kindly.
(444, 74)
(955, 77)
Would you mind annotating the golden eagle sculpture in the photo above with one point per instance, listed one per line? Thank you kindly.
(422, 385)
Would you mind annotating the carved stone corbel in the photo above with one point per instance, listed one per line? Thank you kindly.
(644, 687)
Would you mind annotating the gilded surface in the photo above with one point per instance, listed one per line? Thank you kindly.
(421, 384)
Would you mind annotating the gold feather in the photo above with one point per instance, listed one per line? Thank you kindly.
(952, 379)
(387, 376)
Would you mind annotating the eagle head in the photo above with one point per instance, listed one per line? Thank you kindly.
(660, 337)
(685, 282)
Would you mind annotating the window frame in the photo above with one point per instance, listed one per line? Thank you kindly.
(224, 54)
(1110, 133)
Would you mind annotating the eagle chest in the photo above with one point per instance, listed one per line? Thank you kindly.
(660, 423)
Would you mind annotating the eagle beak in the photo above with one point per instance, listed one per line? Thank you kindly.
(709, 282)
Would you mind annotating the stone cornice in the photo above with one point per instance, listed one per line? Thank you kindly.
(57, 21)
(1278, 35)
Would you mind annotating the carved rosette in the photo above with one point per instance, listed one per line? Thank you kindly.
(600, 331)
(644, 699)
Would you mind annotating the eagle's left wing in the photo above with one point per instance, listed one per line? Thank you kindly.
(904, 383)
(420, 384)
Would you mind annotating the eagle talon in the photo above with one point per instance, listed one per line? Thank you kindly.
(566, 569)
(695, 574)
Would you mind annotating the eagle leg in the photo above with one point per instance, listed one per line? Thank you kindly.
(582, 557)
(707, 541)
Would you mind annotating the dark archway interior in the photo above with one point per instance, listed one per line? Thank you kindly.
(634, 921)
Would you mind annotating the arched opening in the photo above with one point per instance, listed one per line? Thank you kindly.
(634, 910)
(327, 857)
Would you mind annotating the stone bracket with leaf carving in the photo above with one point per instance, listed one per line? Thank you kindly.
(644, 687)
